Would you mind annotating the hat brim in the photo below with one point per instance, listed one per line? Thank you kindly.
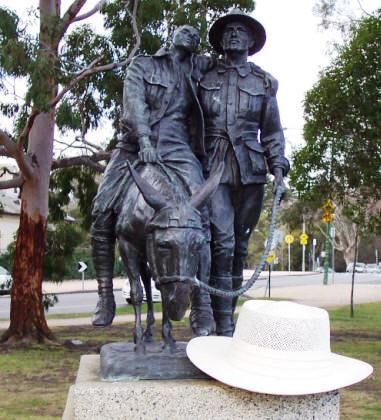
(211, 355)
(256, 28)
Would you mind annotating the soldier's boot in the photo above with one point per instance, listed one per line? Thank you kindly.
(222, 307)
(103, 250)
(201, 316)
(237, 283)
(105, 310)
(240, 255)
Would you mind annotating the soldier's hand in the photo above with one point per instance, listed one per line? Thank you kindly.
(149, 155)
(278, 182)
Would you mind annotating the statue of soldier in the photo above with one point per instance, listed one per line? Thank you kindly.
(159, 102)
(243, 130)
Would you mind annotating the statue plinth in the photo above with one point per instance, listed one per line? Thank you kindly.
(92, 398)
(119, 362)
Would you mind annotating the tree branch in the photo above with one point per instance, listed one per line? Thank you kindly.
(70, 15)
(362, 8)
(96, 147)
(6, 170)
(12, 183)
(91, 12)
(28, 126)
(91, 69)
(4, 152)
(135, 29)
(16, 151)
(8, 144)
(91, 161)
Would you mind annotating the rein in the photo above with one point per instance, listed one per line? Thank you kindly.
(259, 268)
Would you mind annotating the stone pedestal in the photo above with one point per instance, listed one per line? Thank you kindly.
(203, 399)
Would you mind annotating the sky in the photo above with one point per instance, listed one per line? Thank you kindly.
(295, 51)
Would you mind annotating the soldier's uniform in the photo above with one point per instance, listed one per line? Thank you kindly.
(243, 129)
(159, 102)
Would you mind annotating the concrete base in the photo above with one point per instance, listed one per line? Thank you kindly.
(90, 398)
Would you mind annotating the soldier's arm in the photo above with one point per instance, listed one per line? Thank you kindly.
(205, 63)
(135, 109)
(272, 138)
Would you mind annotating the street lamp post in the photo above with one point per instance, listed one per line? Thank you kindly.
(326, 266)
(313, 254)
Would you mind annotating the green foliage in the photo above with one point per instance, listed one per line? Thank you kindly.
(15, 47)
(6, 258)
(157, 20)
(61, 241)
(60, 244)
(67, 183)
(342, 155)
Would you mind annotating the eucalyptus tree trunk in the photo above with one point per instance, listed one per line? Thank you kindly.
(27, 318)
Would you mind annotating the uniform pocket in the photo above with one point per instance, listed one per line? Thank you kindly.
(256, 157)
(155, 90)
(250, 100)
(210, 99)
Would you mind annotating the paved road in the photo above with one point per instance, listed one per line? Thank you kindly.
(68, 303)
(297, 286)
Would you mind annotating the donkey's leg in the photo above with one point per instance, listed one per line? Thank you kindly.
(132, 261)
(146, 278)
(169, 341)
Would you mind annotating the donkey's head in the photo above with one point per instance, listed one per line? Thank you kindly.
(174, 239)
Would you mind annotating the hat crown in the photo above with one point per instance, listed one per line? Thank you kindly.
(258, 31)
(236, 11)
(283, 326)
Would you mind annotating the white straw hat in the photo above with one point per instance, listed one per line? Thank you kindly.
(280, 348)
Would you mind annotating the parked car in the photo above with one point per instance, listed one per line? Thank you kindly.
(372, 268)
(156, 295)
(360, 267)
(5, 281)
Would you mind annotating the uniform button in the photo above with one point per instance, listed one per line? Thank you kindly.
(230, 103)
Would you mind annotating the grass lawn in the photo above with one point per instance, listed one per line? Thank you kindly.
(35, 381)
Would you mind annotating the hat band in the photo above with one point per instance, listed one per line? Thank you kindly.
(278, 363)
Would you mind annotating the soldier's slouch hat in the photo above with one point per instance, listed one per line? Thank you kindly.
(216, 30)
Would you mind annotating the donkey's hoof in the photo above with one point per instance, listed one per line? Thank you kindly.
(169, 348)
(140, 349)
(148, 337)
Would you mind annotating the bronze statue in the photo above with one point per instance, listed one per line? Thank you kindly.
(168, 234)
(243, 130)
(160, 109)
(178, 105)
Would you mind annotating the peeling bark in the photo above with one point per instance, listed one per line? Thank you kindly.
(27, 317)
(27, 311)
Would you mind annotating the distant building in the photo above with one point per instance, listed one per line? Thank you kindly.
(9, 217)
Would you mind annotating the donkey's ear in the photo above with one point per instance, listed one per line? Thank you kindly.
(200, 197)
(152, 197)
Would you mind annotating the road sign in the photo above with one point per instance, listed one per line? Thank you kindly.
(289, 239)
(82, 267)
(328, 207)
(303, 238)
(327, 217)
(271, 257)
